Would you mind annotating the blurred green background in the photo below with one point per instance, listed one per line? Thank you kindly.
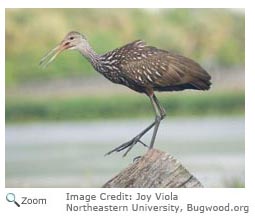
(69, 92)
(69, 88)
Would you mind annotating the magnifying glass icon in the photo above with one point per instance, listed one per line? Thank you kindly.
(10, 197)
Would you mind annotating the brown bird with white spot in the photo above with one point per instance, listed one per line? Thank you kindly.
(142, 68)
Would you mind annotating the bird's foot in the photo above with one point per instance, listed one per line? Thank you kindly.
(129, 145)
(136, 159)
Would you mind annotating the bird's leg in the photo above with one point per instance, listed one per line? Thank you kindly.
(160, 114)
(162, 110)
(132, 142)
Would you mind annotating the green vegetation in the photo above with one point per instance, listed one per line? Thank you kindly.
(122, 106)
(234, 183)
(211, 36)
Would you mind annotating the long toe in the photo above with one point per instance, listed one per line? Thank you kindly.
(125, 145)
(145, 145)
(120, 148)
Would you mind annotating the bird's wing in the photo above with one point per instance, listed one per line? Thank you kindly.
(159, 69)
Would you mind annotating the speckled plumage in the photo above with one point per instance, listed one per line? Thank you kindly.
(144, 69)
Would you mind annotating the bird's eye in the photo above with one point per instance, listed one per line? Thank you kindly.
(71, 38)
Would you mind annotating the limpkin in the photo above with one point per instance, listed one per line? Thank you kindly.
(142, 68)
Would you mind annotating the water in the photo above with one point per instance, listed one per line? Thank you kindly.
(71, 154)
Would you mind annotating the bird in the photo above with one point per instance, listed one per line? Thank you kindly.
(142, 68)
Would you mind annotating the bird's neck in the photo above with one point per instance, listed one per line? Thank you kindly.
(88, 52)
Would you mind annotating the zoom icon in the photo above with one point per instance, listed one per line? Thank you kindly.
(10, 197)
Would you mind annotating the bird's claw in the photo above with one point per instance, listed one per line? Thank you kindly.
(135, 159)
(145, 145)
(130, 144)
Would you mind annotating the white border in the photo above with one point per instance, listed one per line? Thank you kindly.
(55, 196)
(126, 4)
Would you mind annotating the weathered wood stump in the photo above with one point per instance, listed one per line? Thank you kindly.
(156, 169)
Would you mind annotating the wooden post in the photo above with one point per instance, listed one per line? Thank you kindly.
(156, 169)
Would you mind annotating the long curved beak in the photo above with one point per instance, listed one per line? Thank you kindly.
(52, 54)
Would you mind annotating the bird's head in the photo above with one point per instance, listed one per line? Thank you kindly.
(73, 40)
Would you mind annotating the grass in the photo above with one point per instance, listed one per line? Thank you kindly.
(119, 106)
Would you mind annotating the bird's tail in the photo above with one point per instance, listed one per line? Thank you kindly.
(202, 83)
